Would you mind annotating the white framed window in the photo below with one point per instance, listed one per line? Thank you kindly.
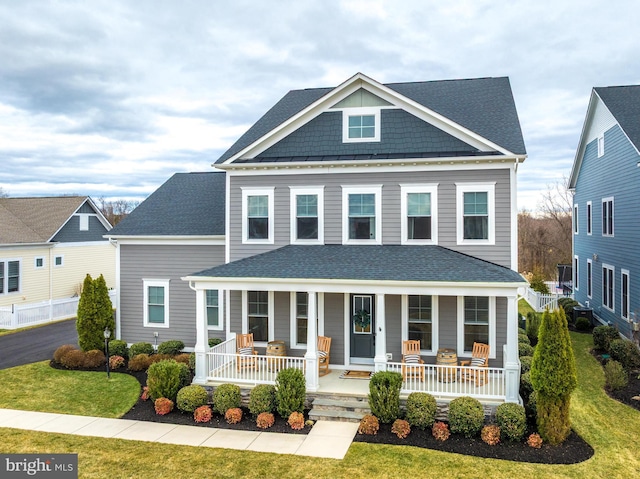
(575, 220)
(600, 146)
(625, 297)
(360, 125)
(475, 205)
(589, 278)
(257, 315)
(476, 323)
(307, 215)
(213, 309)
(576, 273)
(10, 276)
(607, 216)
(156, 303)
(257, 215)
(58, 261)
(299, 318)
(419, 210)
(38, 262)
(420, 321)
(361, 214)
(84, 222)
(608, 286)
(589, 217)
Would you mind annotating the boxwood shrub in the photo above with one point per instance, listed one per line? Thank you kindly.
(625, 352)
(421, 410)
(291, 392)
(466, 416)
(226, 396)
(262, 399)
(140, 348)
(384, 395)
(118, 347)
(603, 335)
(191, 398)
(165, 378)
(512, 420)
(172, 347)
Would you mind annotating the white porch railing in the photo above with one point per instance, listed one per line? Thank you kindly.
(22, 315)
(446, 381)
(539, 301)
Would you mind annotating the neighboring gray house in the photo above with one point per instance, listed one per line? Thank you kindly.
(398, 200)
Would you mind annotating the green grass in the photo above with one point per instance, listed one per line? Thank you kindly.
(524, 307)
(613, 430)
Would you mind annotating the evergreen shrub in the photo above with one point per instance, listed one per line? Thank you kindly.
(140, 348)
(582, 324)
(603, 335)
(525, 349)
(191, 397)
(512, 420)
(94, 358)
(525, 363)
(139, 362)
(262, 398)
(61, 351)
(172, 347)
(384, 395)
(165, 379)
(466, 416)
(625, 352)
(615, 376)
(118, 347)
(421, 410)
(226, 396)
(291, 392)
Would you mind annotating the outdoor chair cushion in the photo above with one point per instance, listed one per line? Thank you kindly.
(412, 358)
(477, 362)
(245, 351)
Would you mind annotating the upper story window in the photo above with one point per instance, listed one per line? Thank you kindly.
(39, 262)
(419, 207)
(600, 146)
(575, 219)
(9, 276)
(58, 261)
(257, 215)
(360, 125)
(361, 207)
(307, 215)
(476, 213)
(589, 278)
(589, 217)
(156, 302)
(576, 273)
(607, 216)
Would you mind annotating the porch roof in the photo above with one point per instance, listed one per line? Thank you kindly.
(429, 263)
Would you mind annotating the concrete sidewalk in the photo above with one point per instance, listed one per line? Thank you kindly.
(326, 439)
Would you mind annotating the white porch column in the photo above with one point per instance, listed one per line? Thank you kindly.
(201, 339)
(380, 359)
(311, 356)
(511, 359)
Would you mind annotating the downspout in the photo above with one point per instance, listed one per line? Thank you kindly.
(115, 243)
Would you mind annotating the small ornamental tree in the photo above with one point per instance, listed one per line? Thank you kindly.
(104, 307)
(554, 377)
(89, 336)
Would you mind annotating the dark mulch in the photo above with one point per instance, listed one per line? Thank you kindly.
(627, 394)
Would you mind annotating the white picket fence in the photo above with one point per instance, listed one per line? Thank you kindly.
(539, 301)
(22, 315)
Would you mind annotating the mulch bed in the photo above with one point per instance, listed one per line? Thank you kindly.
(627, 394)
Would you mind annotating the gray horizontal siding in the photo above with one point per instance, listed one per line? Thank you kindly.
(70, 232)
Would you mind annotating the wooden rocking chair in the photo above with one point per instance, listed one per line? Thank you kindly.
(248, 357)
(324, 354)
(479, 359)
(411, 361)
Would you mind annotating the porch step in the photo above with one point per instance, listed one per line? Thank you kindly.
(344, 409)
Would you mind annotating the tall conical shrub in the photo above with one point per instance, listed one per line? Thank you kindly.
(104, 308)
(94, 314)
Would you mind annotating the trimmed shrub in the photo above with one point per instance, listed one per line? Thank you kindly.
(531, 407)
(512, 420)
(94, 358)
(523, 338)
(192, 362)
(615, 376)
(490, 434)
(61, 351)
(369, 425)
(191, 397)
(165, 379)
(262, 398)
(74, 359)
(401, 428)
(526, 388)
(440, 431)
(156, 358)
(384, 395)
(625, 352)
(525, 363)
(421, 410)
(226, 396)
(116, 362)
(172, 347)
(603, 335)
(583, 324)
(233, 415)
(296, 420)
(202, 414)
(534, 441)
(525, 349)
(532, 327)
(95, 313)
(183, 358)
(139, 362)
(140, 348)
(163, 406)
(265, 420)
(291, 392)
(118, 347)
(214, 342)
(466, 416)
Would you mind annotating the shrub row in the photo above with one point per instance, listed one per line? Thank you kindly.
(71, 358)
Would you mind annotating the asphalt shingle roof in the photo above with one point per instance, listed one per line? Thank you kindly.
(187, 204)
(624, 104)
(375, 262)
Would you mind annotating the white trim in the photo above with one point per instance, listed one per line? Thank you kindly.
(612, 299)
(84, 221)
(576, 273)
(589, 278)
(405, 189)
(513, 191)
(361, 111)
(35, 262)
(5, 279)
(55, 261)
(600, 143)
(294, 191)
(376, 190)
(609, 234)
(293, 321)
(435, 337)
(171, 240)
(492, 327)
(462, 188)
(117, 305)
(220, 326)
(576, 228)
(267, 191)
(162, 283)
(270, 315)
(625, 272)
(589, 218)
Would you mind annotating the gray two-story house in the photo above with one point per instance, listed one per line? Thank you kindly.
(396, 200)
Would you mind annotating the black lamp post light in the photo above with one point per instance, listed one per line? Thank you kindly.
(107, 335)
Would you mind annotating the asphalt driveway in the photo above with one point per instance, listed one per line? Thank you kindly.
(36, 344)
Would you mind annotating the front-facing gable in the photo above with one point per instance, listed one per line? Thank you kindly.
(419, 119)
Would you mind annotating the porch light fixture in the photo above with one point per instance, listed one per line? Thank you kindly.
(107, 335)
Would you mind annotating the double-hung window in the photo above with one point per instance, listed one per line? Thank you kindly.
(476, 213)
(212, 309)
(9, 276)
(476, 322)
(258, 307)
(607, 216)
(624, 293)
(608, 275)
(589, 217)
(420, 321)
(301, 318)
(576, 273)
(589, 278)
(575, 219)
(419, 207)
(361, 214)
(307, 215)
(257, 215)
(156, 303)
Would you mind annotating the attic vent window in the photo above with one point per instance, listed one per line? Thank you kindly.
(360, 125)
(600, 146)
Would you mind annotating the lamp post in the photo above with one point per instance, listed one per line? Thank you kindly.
(107, 335)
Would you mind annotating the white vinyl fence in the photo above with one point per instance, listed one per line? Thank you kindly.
(540, 302)
(21, 315)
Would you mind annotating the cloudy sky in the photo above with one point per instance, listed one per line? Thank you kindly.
(110, 98)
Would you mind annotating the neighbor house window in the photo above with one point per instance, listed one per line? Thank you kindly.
(607, 217)
(575, 219)
(307, 215)
(360, 124)
(419, 206)
(39, 262)
(476, 322)
(361, 214)
(84, 222)
(257, 215)
(589, 278)
(576, 275)
(600, 146)
(258, 310)
(420, 320)
(9, 276)
(624, 286)
(58, 261)
(608, 273)
(212, 306)
(476, 213)
(156, 303)
(589, 217)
